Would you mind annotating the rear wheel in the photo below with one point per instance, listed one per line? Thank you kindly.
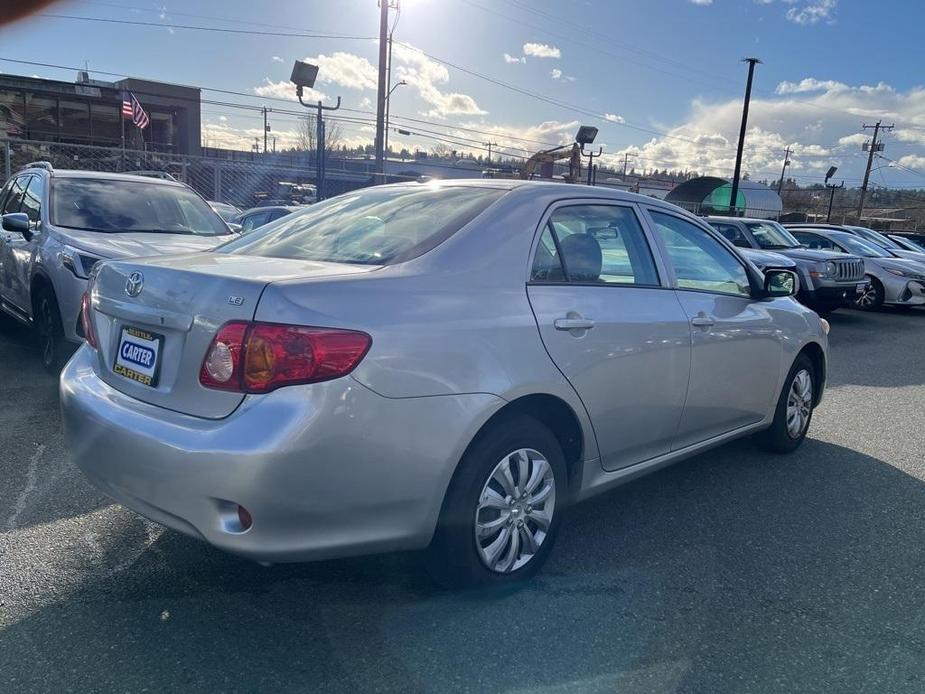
(872, 298)
(794, 410)
(47, 320)
(503, 509)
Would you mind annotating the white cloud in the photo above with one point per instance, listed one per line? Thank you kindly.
(425, 75)
(541, 50)
(277, 59)
(614, 118)
(284, 89)
(813, 12)
(810, 84)
(821, 125)
(701, 2)
(345, 69)
(913, 161)
(509, 59)
(560, 76)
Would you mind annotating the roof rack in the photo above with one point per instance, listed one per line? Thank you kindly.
(154, 174)
(39, 165)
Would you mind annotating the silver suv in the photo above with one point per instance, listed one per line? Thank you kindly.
(57, 225)
(828, 279)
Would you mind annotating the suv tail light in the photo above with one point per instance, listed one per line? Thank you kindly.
(260, 357)
(86, 321)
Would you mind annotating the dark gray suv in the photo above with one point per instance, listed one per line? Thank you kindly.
(828, 280)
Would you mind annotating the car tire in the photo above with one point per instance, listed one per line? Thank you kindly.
(797, 399)
(46, 318)
(872, 299)
(483, 538)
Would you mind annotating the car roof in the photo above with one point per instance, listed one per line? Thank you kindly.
(724, 218)
(105, 175)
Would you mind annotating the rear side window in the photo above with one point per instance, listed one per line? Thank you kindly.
(17, 192)
(374, 226)
(594, 244)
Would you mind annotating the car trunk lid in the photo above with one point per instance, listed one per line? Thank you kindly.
(155, 319)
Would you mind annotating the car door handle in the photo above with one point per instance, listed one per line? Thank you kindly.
(703, 321)
(573, 324)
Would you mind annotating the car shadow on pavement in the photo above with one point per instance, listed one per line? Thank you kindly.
(735, 571)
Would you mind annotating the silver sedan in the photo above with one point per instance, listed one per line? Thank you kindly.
(442, 366)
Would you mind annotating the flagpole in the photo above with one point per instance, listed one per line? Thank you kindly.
(122, 121)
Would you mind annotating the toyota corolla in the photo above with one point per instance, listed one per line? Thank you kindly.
(442, 366)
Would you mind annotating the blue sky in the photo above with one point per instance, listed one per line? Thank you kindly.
(660, 78)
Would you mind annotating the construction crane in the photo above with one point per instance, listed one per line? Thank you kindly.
(547, 158)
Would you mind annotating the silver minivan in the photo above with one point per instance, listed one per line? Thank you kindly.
(440, 365)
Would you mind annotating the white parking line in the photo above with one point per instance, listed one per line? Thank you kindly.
(31, 480)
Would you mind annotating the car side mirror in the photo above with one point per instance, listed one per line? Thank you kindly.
(780, 283)
(18, 222)
(236, 228)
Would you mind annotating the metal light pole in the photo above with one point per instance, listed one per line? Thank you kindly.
(388, 103)
(304, 75)
(738, 170)
(832, 189)
(382, 86)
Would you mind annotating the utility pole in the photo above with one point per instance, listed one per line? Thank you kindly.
(872, 147)
(381, 94)
(787, 153)
(626, 156)
(490, 145)
(266, 129)
(734, 193)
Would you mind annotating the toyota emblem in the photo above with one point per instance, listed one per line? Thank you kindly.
(134, 284)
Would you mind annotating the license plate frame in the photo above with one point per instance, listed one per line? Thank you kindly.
(138, 355)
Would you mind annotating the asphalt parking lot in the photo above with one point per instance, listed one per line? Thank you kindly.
(736, 571)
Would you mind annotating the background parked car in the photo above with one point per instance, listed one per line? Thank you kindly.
(225, 210)
(483, 354)
(871, 236)
(914, 236)
(57, 224)
(258, 216)
(828, 280)
(893, 281)
(907, 243)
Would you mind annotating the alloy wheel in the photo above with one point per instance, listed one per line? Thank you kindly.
(799, 404)
(869, 298)
(515, 510)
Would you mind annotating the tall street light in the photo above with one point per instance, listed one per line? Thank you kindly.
(832, 189)
(734, 193)
(388, 108)
(304, 75)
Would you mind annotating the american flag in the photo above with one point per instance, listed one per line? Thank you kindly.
(132, 109)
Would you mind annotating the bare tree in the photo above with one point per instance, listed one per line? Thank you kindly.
(441, 149)
(306, 139)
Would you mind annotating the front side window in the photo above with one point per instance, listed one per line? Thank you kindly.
(598, 244)
(373, 226)
(113, 206)
(17, 191)
(700, 262)
(32, 199)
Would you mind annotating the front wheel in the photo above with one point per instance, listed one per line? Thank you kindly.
(872, 298)
(503, 509)
(794, 410)
(47, 321)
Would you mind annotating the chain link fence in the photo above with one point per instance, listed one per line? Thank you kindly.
(283, 178)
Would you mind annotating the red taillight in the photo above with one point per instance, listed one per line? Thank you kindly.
(86, 321)
(260, 357)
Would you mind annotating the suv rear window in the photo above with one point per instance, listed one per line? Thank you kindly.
(375, 226)
(110, 205)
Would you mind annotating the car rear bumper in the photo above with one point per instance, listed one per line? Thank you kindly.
(326, 470)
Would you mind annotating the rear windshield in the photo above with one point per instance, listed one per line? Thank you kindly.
(113, 206)
(374, 226)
